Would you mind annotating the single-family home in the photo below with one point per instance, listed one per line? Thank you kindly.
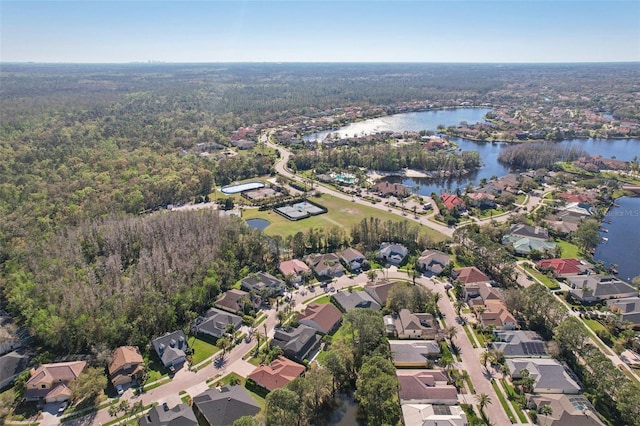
(386, 189)
(236, 301)
(566, 410)
(126, 365)
(223, 406)
(162, 415)
(277, 374)
(563, 268)
(550, 376)
(171, 348)
(325, 266)
(353, 259)
(348, 300)
(482, 199)
(524, 239)
(426, 387)
(470, 275)
(216, 323)
(519, 344)
(433, 261)
(628, 308)
(243, 144)
(595, 288)
(324, 317)
(50, 382)
(12, 364)
(433, 415)
(496, 315)
(296, 343)
(452, 201)
(413, 353)
(264, 284)
(480, 293)
(379, 290)
(408, 325)
(392, 253)
(296, 269)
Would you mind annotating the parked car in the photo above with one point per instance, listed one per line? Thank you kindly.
(63, 407)
(119, 389)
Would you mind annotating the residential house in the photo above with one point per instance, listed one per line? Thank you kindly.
(566, 410)
(550, 376)
(596, 288)
(562, 268)
(276, 375)
(216, 323)
(171, 348)
(235, 300)
(392, 253)
(325, 266)
(496, 315)
(520, 344)
(348, 300)
(296, 343)
(628, 308)
(470, 275)
(12, 364)
(413, 354)
(426, 387)
(243, 144)
(126, 365)
(162, 415)
(452, 201)
(294, 268)
(353, 259)
(577, 209)
(379, 290)
(223, 406)
(525, 239)
(386, 189)
(50, 382)
(324, 318)
(433, 261)
(264, 284)
(482, 199)
(481, 293)
(408, 325)
(433, 415)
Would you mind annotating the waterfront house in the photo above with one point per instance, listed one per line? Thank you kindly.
(452, 201)
(426, 387)
(413, 353)
(596, 288)
(562, 268)
(276, 375)
(296, 343)
(223, 406)
(628, 308)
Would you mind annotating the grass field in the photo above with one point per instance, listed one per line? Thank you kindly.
(341, 213)
(594, 325)
(201, 350)
(550, 283)
(568, 250)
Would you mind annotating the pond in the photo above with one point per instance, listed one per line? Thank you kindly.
(346, 414)
(260, 224)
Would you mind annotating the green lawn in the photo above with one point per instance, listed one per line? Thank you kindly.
(503, 402)
(470, 336)
(568, 250)
(341, 213)
(201, 350)
(550, 283)
(324, 299)
(594, 325)
(513, 396)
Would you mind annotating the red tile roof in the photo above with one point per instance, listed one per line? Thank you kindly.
(325, 315)
(450, 201)
(562, 266)
(278, 374)
(470, 275)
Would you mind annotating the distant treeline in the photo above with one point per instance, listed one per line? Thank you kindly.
(538, 155)
(389, 158)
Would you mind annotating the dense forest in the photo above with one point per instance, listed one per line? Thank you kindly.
(538, 155)
(389, 158)
(86, 148)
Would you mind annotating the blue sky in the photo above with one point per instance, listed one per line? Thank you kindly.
(320, 31)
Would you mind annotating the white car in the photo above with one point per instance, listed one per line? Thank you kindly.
(63, 407)
(119, 389)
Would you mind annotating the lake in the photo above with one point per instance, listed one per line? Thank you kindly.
(260, 224)
(623, 245)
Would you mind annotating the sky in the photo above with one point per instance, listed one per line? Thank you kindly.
(120, 31)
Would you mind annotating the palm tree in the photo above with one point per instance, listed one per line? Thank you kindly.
(546, 410)
(458, 305)
(484, 358)
(372, 274)
(451, 332)
(224, 344)
(483, 400)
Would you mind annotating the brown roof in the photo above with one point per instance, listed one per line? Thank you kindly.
(58, 372)
(230, 299)
(379, 290)
(278, 374)
(123, 356)
(325, 315)
(293, 267)
(470, 274)
(425, 385)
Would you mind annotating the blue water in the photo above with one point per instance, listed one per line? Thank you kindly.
(260, 224)
(623, 247)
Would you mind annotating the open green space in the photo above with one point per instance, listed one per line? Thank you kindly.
(594, 325)
(503, 402)
(341, 213)
(568, 250)
(201, 350)
(550, 283)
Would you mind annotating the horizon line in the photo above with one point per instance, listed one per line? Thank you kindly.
(156, 62)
